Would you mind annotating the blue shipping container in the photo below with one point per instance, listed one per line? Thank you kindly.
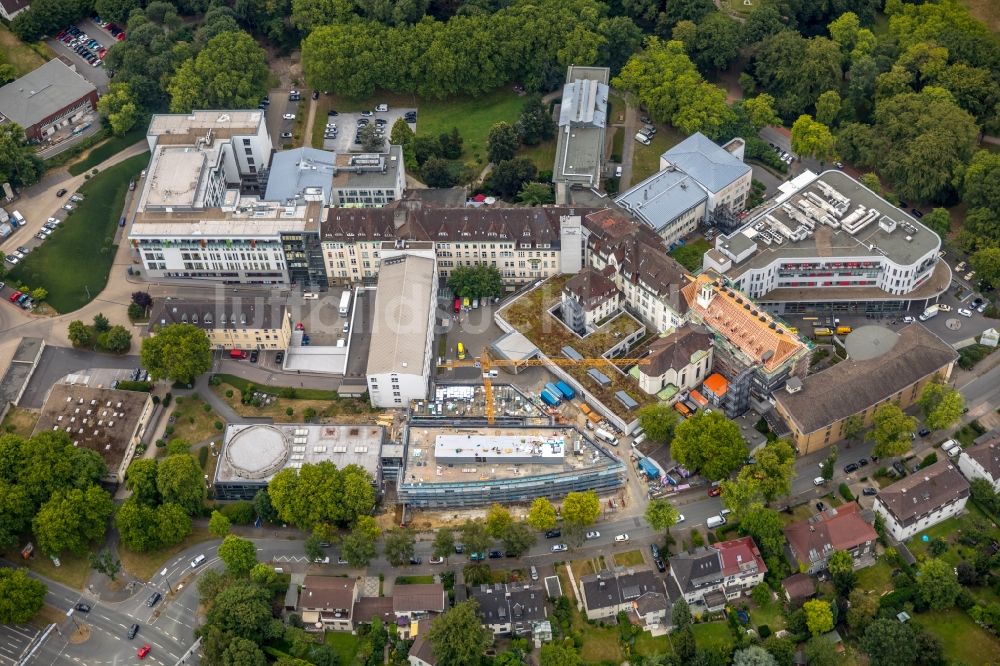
(566, 390)
(549, 399)
(650, 469)
(551, 388)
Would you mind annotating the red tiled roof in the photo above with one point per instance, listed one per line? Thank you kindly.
(737, 554)
(841, 528)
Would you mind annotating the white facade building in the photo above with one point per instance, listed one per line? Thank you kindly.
(982, 459)
(922, 500)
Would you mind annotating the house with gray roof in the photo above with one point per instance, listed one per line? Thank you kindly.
(982, 459)
(607, 593)
(11, 8)
(710, 576)
(923, 499)
(697, 179)
(301, 172)
(47, 98)
(510, 609)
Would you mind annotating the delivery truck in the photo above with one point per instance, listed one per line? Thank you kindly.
(345, 303)
(930, 312)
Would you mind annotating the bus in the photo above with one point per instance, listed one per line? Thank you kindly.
(822, 332)
(345, 303)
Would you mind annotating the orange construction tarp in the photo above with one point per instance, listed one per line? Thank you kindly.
(699, 398)
(717, 384)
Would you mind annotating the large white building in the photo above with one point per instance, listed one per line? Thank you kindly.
(582, 125)
(832, 240)
(924, 499)
(400, 356)
(698, 179)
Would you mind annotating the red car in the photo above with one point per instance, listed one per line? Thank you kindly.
(458, 305)
(143, 651)
(300, 327)
(714, 491)
(16, 295)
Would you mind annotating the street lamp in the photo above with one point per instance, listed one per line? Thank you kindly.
(167, 580)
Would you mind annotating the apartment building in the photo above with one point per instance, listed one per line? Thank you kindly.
(230, 323)
(607, 593)
(587, 299)
(982, 459)
(811, 542)
(829, 239)
(711, 576)
(524, 244)
(369, 179)
(924, 499)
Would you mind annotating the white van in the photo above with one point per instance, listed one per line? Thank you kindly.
(643, 139)
(197, 562)
(715, 521)
(606, 436)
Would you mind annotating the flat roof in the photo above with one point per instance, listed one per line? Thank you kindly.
(294, 172)
(401, 323)
(663, 197)
(188, 127)
(582, 120)
(174, 176)
(827, 242)
(256, 452)
(423, 465)
(253, 219)
(368, 170)
(43, 92)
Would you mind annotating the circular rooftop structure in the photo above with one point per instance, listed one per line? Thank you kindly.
(868, 342)
(257, 451)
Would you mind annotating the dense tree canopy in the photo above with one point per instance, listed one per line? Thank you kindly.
(72, 519)
(230, 72)
(18, 164)
(709, 443)
(20, 596)
(893, 431)
(179, 352)
(321, 493)
(456, 636)
(796, 70)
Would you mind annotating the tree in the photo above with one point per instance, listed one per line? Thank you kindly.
(502, 142)
(554, 654)
(179, 480)
(179, 352)
(828, 108)
(690, 10)
(263, 574)
(398, 545)
(658, 421)
(819, 616)
(889, 642)
(456, 636)
(517, 539)
(371, 140)
(821, 652)
(444, 543)
(101, 323)
(262, 505)
(475, 537)
(115, 10)
(20, 596)
(117, 340)
(140, 479)
(136, 524)
(844, 30)
(243, 609)
(862, 610)
(120, 107)
(18, 164)
(510, 175)
(437, 172)
(841, 566)
(765, 526)
(243, 652)
(938, 220)
(238, 554)
(536, 194)
(986, 262)
(314, 547)
(72, 519)
(852, 426)
(661, 515)
(218, 525)
(542, 515)
(797, 70)
(535, 124)
(942, 405)
(753, 656)
(827, 466)
(498, 519)
(581, 508)
(709, 443)
(813, 139)
(769, 477)
(230, 72)
(717, 41)
(39, 294)
(142, 299)
(760, 111)
(106, 563)
(937, 584)
(401, 134)
(478, 281)
(79, 334)
(359, 546)
(893, 431)
(782, 649)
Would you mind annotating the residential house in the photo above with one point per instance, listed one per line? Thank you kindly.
(811, 542)
(607, 593)
(982, 459)
(651, 611)
(711, 576)
(230, 323)
(327, 603)
(510, 609)
(418, 600)
(923, 499)
(588, 298)
(678, 362)
(421, 653)
(798, 588)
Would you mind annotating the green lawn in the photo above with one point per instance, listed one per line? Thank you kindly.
(192, 422)
(414, 580)
(647, 646)
(876, 578)
(689, 255)
(600, 645)
(949, 530)
(344, 644)
(770, 614)
(16, 53)
(300, 393)
(543, 155)
(73, 264)
(963, 640)
(629, 558)
(741, 6)
(646, 159)
(713, 633)
(71, 572)
(109, 148)
(617, 143)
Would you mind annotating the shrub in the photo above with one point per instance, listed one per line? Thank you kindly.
(219, 425)
(144, 387)
(240, 513)
(206, 408)
(763, 631)
(203, 456)
(169, 430)
(214, 380)
(156, 399)
(289, 411)
(937, 547)
(929, 460)
(166, 399)
(845, 492)
(160, 443)
(229, 393)
(697, 540)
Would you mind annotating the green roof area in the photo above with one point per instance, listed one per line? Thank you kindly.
(668, 392)
(530, 315)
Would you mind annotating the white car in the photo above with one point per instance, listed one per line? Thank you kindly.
(964, 312)
(322, 560)
(289, 116)
(970, 275)
(437, 560)
(11, 259)
(310, 296)
(331, 125)
(620, 538)
(560, 548)
(53, 220)
(944, 307)
(680, 518)
(908, 319)
(18, 254)
(819, 481)
(618, 171)
(594, 535)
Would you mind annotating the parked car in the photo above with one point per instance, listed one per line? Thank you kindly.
(436, 560)
(819, 481)
(714, 490)
(923, 432)
(496, 554)
(863, 462)
(968, 276)
(553, 534)
(621, 538)
(916, 213)
(851, 467)
(820, 506)
(11, 259)
(560, 548)
(286, 135)
(964, 312)
(869, 491)
(416, 560)
(61, 191)
(367, 114)
(944, 307)
(594, 534)
(253, 356)
(279, 357)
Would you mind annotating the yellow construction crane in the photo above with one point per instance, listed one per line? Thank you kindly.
(486, 363)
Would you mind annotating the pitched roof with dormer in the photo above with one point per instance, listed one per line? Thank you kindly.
(591, 288)
(923, 492)
(676, 350)
(840, 528)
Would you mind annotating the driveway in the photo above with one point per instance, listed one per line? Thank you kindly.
(628, 147)
(276, 123)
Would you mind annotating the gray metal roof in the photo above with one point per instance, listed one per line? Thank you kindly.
(706, 162)
(584, 103)
(402, 302)
(292, 171)
(42, 93)
(662, 197)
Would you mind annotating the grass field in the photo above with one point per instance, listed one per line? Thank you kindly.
(71, 572)
(191, 421)
(713, 633)
(18, 54)
(987, 11)
(963, 640)
(689, 255)
(144, 565)
(617, 143)
(646, 159)
(543, 155)
(109, 148)
(741, 6)
(648, 645)
(876, 578)
(600, 645)
(20, 421)
(73, 264)
(344, 644)
(414, 580)
(630, 558)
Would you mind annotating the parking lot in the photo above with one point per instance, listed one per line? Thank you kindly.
(19, 244)
(96, 75)
(347, 127)
(281, 104)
